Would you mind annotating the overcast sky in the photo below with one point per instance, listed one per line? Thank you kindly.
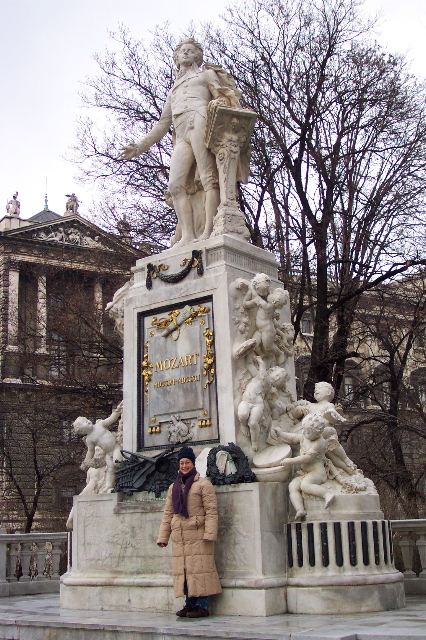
(46, 51)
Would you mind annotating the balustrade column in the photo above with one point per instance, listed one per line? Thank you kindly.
(406, 544)
(421, 546)
(3, 556)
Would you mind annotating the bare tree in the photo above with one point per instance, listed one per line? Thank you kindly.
(36, 451)
(338, 178)
(341, 152)
(387, 432)
(127, 98)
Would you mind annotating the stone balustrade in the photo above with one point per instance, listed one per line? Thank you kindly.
(31, 563)
(410, 538)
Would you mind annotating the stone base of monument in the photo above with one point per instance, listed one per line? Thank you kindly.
(116, 564)
(342, 566)
(345, 506)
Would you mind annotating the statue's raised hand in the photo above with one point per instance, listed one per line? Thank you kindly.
(133, 150)
(129, 151)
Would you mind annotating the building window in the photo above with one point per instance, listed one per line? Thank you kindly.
(307, 326)
(302, 365)
(381, 389)
(56, 299)
(418, 342)
(58, 353)
(65, 496)
(418, 383)
(349, 388)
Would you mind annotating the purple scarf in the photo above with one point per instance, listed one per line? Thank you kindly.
(179, 497)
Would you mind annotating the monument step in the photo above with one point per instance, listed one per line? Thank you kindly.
(40, 618)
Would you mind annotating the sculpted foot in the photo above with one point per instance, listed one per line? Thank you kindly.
(184, 241)
(245, 430)
(299, 515)
(328, 499)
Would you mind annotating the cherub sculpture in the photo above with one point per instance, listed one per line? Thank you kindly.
(258, 309)
(324, 394)
(259, 338)
(99, 434)
(95, 479)
(266, 303)
(313, 473)
(115, 308)
(252, 405)
(285, 340)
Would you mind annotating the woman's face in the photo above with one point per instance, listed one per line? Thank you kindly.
(185, 465)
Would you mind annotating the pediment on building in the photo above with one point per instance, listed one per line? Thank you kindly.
(74, 231)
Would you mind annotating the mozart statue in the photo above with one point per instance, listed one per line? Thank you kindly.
(193, 181)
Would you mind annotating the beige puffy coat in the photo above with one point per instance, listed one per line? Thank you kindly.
(193, 540)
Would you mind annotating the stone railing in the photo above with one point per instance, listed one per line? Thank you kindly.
(410, 539)
(31, 562)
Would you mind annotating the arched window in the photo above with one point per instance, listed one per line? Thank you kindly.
(380, 389)
(418, 383)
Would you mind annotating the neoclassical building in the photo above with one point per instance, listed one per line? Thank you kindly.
(59, 354)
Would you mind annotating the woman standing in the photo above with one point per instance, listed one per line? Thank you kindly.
(190, 517)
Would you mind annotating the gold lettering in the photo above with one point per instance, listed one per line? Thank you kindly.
(181, 361)
(159, 365)
(187, 360)
(173, 363)
(194, 355)
(166, 367)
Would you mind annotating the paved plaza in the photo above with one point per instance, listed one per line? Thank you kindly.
(40, 618)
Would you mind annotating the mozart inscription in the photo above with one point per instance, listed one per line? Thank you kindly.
(177, 390)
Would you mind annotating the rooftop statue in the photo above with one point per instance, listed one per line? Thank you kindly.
(71, 207)
(194, 180)
(13, 207)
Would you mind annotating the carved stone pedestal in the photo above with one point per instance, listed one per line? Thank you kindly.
(117, 566)
(179, 329)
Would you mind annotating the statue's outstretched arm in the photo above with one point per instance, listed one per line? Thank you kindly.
(157, 132)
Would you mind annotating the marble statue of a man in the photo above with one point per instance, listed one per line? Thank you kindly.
(195, 90)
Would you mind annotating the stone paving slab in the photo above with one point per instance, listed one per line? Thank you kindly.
(40, 618)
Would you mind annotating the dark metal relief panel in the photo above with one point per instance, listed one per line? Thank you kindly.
(177, 376)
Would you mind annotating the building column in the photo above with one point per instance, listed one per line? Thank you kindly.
(41, 313)
(13, 310)
(98, 300)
